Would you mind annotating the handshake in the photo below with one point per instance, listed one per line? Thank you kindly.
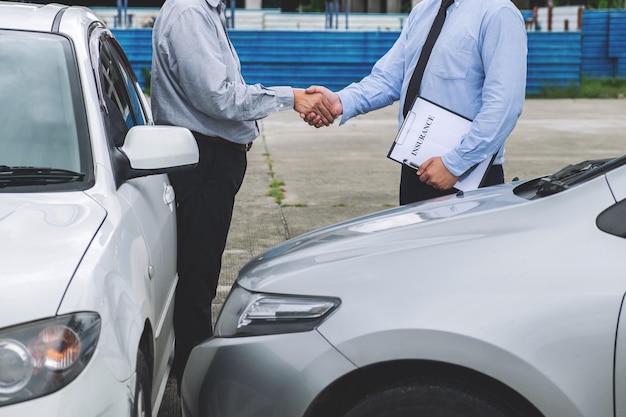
(317, 105)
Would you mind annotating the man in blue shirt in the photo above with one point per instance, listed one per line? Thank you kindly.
(477, 68)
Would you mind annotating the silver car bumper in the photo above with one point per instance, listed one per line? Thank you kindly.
(260, 376)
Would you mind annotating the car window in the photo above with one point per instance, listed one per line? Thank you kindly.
(41, 115)
(119, 89)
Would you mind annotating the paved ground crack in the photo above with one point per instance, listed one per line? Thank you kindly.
(273, 180)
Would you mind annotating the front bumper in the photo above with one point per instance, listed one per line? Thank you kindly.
(260, 376)
(95, 392)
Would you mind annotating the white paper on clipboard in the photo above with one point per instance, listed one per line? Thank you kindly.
(432, 130)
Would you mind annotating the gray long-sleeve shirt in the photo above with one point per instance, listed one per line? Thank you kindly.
(196, 75)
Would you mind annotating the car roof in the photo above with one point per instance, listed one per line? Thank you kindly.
(37, 17)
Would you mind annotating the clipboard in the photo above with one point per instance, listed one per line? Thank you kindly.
(432, 130)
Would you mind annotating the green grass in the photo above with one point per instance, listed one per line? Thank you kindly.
(277, 189)
(589, 88)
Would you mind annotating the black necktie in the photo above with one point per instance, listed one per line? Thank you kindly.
(416, 79)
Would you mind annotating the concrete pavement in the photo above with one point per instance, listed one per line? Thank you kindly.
(335, 173)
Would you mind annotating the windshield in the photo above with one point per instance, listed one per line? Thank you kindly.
(41, 113)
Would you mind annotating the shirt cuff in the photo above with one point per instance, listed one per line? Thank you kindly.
(284, 98)
(455, 163)
(347, 106)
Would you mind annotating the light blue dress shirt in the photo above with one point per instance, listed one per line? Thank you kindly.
(196, 75)
(477, 68)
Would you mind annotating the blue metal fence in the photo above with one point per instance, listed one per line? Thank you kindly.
(554, 60)
(617, 40)
(337, 58)
(604, 43)
(300, 59)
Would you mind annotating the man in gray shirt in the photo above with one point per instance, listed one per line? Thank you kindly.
(197, 84)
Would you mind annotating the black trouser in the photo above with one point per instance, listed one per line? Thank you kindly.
(412, 189)
(205, 197)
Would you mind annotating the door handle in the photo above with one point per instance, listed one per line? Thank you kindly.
(169, 196)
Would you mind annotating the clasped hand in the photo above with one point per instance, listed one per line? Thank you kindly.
(318, 106)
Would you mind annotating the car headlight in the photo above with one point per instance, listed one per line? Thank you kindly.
(40, 358)
(251, 314)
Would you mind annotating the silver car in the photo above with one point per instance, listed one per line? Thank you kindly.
(87, 222)
(501, 302)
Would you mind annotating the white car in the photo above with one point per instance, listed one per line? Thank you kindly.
(87, 222)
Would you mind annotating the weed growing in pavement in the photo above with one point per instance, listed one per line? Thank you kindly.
(276, 186)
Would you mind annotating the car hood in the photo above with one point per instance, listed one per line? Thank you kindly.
(44, 237)
(404, 228)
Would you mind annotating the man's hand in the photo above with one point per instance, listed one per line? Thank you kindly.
(316, 119)
(313, 103)
(434, 173)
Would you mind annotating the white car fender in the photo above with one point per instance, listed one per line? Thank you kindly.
(122, 297)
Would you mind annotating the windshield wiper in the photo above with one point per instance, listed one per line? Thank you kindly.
(573, 174)
(19, 175)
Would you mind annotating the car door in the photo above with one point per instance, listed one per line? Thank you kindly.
(150, 198)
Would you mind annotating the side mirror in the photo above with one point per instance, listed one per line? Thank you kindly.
(159, 149)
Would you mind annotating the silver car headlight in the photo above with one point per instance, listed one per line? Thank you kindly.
(40, 358)
(251, 314)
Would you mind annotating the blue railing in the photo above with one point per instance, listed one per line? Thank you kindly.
(337, 58)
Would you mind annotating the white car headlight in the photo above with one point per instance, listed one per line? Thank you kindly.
(251, 314)
(39, 358)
